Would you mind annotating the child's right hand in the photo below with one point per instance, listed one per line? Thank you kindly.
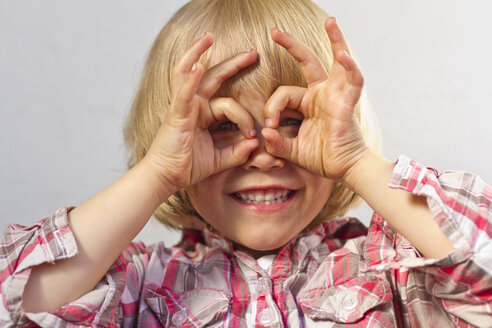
(183, 152)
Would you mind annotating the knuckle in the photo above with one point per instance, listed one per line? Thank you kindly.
(222, 72)
(358, 81)
(175, 71)
(181, 98)
(228, 103)
(238, 65)
(234, 156)
(214, 102)
(361, 80)
(282, 89)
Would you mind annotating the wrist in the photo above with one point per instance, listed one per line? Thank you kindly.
(369, 165)
(158, 185)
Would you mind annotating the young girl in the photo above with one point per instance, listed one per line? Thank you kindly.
(249, 133)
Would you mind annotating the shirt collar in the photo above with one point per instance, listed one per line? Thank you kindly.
(337, 230)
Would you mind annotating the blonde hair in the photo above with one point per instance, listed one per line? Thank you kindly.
(237, 25)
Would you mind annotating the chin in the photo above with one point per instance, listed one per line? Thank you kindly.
(265, 235)
(263, 243)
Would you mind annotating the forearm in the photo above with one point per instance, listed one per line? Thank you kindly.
(407, 213)
(102, 226)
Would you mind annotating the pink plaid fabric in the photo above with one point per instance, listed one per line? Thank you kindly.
(340, 274)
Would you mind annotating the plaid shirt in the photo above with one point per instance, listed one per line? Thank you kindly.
(339, 274)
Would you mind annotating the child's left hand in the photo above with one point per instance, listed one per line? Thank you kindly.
(329, 141)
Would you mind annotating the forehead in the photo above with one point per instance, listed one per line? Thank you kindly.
(253, 103)
(250, 99)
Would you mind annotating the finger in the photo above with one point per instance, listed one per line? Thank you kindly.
(234, 155)
(284, 97)
(218, 74)
(354, 78)
(190, 57)
(280, 146)
(337, 40)
(352, 70)
(339, 47)
(228, 108)
(183, 101)
(311, 66)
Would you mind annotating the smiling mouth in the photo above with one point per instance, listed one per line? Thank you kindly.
(264, 197)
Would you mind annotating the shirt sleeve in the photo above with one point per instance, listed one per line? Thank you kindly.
(51, 240)
(458, 287)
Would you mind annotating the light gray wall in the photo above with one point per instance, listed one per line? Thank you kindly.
(69, 69)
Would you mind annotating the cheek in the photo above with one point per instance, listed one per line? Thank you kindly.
(206, 194)
(319, 191)
(223, 139)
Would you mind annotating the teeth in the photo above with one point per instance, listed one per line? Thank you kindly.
(266, 197)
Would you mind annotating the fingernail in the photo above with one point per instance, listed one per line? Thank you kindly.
(252, 133)
(268, 123)
(278, 28)
(251, 50)
(193, 68)
(331, 20)
(346, 53)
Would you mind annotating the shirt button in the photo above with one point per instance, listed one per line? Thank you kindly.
(261, 287)
(265, 317)
(350, 302)
(179, 318)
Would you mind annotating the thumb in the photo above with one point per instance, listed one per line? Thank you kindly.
(280, 146)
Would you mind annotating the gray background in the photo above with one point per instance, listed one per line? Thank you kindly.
(69, 69)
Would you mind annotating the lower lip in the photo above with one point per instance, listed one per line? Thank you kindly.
(264, 207)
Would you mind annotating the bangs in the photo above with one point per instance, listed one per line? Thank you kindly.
(239, 26)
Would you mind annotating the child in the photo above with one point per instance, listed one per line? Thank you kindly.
(255, 142)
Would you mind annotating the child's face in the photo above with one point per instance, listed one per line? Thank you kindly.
(237, 202)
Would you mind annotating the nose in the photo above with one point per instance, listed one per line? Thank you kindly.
(261, 160)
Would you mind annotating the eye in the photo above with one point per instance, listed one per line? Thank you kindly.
(289, 126)
(225, 126)
(225, 133)
(290, 122)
